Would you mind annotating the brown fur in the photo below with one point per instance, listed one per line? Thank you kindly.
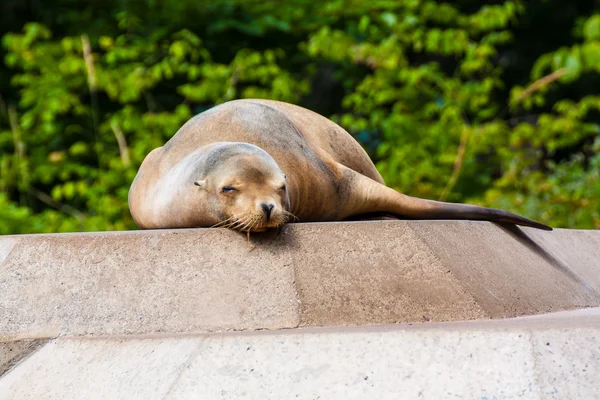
(257, 146)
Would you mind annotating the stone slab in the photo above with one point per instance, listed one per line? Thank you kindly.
(545, 357)
(518, 271)
(374, 273)
(319, 274)
(142, 282)
(578, 249)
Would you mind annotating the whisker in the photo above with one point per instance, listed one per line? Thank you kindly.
(255, 223)
(246, 225)
(231, 224)
(218, 224)
(232, 220)
(247, 222)
(241, 221)
(289, 214)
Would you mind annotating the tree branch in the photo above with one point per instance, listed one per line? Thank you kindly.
(93, 86)
(65, 208)
(123, 149)
(540, 83)
(458, 161)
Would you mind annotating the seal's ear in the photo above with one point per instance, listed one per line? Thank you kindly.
(201, 183)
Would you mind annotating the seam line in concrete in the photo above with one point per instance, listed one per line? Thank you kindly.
(15, 363)
(7, 246)
(542, 322)
(457, 281)
(548, 256)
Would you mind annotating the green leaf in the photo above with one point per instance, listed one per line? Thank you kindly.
(591, 28)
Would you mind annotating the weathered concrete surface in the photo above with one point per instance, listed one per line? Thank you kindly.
(12, 353)
(578, 249)
(544, 357)
(510, 275)
(310, 275)
(135, 282)
(373, 273)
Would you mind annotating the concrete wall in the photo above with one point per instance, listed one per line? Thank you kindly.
(152, 315)
(323, 274)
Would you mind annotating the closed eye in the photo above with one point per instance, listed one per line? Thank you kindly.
(228, 189)
(282, 188)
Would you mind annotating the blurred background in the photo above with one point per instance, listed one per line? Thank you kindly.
(494, 104)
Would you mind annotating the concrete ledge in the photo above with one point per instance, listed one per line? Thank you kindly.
(545, 357)
(325, 274)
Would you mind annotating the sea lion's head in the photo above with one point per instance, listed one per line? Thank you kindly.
(244, 188)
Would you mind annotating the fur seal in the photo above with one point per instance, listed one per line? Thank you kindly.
(253, 164)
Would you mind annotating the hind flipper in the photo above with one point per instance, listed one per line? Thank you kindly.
(367, 196)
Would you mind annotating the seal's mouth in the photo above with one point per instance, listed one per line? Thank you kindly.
(255, 222)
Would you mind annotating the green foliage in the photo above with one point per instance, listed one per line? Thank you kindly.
(450, 100)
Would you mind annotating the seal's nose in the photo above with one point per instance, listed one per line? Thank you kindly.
(267, 209)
